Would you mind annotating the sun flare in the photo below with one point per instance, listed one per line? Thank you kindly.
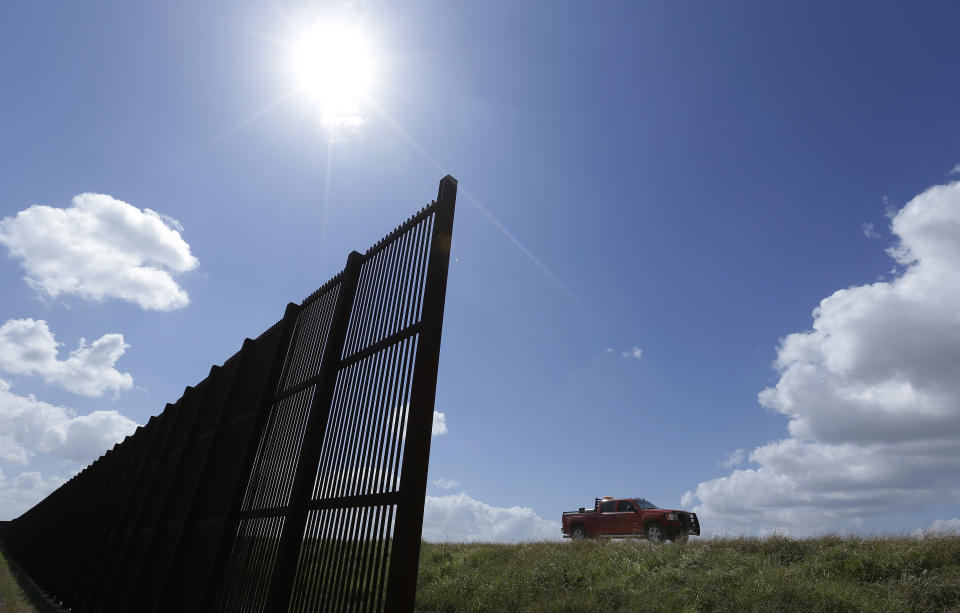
(334, 67)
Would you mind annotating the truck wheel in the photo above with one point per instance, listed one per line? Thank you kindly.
(578, 532)
(655, 533)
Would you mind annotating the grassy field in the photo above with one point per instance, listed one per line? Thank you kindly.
(774, 574)
(12, 598)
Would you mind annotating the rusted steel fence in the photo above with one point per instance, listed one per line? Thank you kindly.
(292, 478)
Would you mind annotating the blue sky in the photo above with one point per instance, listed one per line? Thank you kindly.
(690, 180)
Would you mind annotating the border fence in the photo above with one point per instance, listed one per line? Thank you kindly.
(292, 478)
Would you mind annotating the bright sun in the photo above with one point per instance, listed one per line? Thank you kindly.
(334, 68)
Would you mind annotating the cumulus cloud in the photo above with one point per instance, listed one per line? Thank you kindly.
(955, 170)
(27, 347)
(940, 527)
(869, 230)
(735, 458)
(439, 424)
(29, 426)
(635, 353)
(460, 518)
(445, 484)
(23, 491)
(872, 393)
(100, 248)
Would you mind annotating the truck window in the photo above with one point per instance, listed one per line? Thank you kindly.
(608, 506)
(626, 505)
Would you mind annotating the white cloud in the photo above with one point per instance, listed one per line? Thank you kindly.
(869, 230)
(30, 426)
(735, 458)
(445, 484)
(940, 527)
(439, 423)
(635, 353)
(100, 248)
(27, 347)
(955, 170)
(23, 491)
(872, 393)
(460, 518)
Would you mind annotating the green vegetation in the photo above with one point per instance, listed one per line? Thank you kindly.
(12, 598)
(746, 574)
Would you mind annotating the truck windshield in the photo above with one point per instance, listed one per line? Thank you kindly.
(644, 504)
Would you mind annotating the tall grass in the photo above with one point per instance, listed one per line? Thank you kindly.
(744, 574)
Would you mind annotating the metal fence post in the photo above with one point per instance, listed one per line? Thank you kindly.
(402, 581)
(180, 546)
(137, 584)
(94, 533)
(281, 583)
(117, 510)
(99, 484)
(231, 520)
(125, 532)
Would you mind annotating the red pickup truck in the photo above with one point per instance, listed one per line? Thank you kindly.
(630, 518)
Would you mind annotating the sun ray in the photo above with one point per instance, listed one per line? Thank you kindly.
(473, 200)
(252, 118)
(516, 241)
(326, 197)
(189, 155)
